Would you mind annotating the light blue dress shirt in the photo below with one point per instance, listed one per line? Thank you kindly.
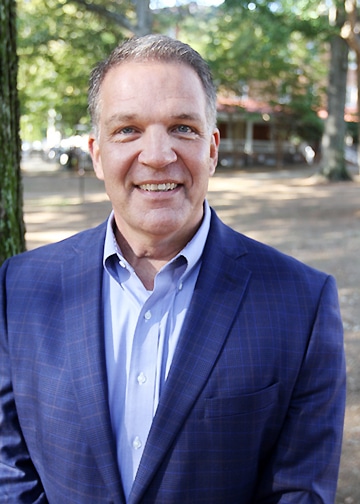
(141, 332)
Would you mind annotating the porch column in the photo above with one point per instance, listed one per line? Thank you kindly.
(248, 149)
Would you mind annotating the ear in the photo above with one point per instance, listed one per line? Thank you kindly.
(95, 156)
(214, 150)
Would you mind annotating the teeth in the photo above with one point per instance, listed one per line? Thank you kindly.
(158, 187)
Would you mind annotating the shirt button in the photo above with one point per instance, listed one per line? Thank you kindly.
(122, 264)
(180, 286)
(141, 379)
(137, 443)
(147, 315)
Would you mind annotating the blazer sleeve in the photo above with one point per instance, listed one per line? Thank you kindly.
(19, 481)
(304, 467)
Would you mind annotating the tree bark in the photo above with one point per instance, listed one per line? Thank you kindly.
(350, 33)
(12, 229)
(333, 164)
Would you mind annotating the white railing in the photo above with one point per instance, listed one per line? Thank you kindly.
(256, 147)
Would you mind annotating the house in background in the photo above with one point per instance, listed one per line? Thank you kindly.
(250, 135)
(255, 133)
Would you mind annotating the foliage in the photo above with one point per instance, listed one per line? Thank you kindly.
(277, 51)
(58, 45)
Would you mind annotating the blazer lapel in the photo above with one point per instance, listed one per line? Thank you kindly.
(216, 300)
(82, 284)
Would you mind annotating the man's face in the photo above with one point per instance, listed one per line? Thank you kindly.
(155, 150)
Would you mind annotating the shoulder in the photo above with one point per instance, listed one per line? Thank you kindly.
(53, 256)
(274, 280)
(261, 259)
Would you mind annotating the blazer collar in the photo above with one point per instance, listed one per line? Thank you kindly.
(217, 296)
(82, 284)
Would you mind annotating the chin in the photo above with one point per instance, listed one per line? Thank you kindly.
(164, 228)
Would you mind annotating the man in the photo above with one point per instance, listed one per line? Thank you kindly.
(162, 357)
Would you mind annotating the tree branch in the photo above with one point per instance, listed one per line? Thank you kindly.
(103, 12)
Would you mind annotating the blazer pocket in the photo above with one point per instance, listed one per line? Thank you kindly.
(241, 404)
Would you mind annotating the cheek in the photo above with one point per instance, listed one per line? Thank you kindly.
(109, 166)
(117, 159)
(203, 166)
(115, 177)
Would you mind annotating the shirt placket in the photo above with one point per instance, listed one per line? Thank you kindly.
(145, 370)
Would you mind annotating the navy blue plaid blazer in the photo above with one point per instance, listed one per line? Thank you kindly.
(252, 410)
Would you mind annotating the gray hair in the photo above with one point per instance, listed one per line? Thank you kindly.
(152, 48)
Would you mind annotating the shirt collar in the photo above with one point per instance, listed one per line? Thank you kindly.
(192, 251)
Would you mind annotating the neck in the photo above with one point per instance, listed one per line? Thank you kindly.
(147, 259)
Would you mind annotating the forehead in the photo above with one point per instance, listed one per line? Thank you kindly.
(153, 82)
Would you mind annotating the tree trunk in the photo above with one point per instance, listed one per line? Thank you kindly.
(144, 17)
(358, 109)
(12, 229)
(333, 164)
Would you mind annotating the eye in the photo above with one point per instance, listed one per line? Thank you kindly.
(183, 128)
(124, 134)
(128, 130)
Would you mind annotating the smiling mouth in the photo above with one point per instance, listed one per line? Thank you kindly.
(159, 187)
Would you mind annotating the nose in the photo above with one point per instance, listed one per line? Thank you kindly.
(157, 149)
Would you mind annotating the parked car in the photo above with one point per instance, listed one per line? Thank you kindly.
(74, 158)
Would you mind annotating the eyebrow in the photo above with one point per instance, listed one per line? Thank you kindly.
(118, 117)
(188, 117)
